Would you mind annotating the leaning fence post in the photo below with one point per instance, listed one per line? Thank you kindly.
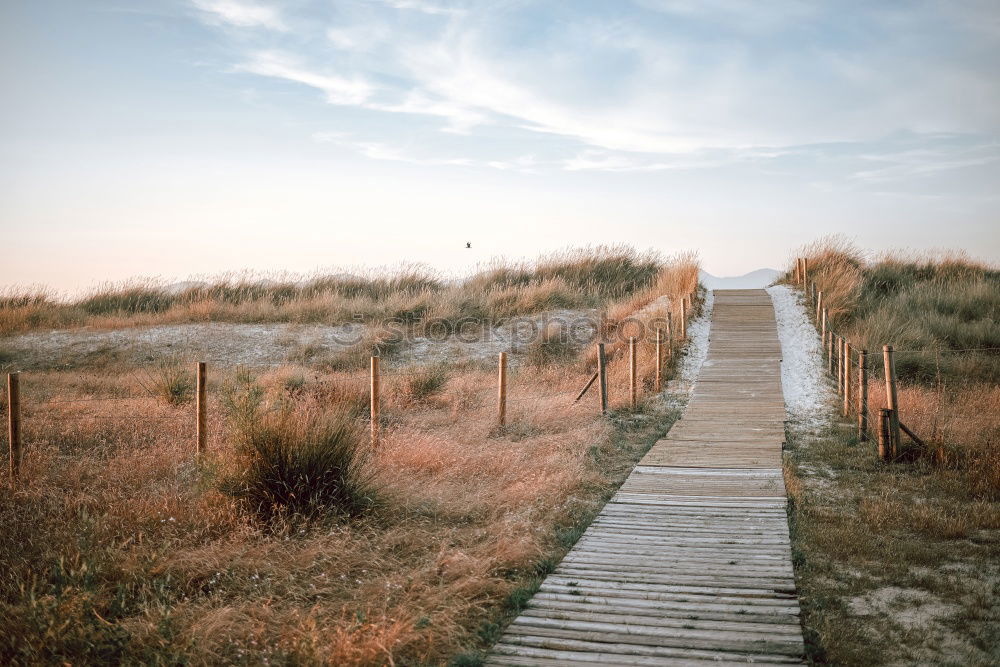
(863, 395)
(602, 371)
(891, 399)
(502, 391)
(374, 407)
(659, 359)
(632, 373)
(201, 410)
(14, 424)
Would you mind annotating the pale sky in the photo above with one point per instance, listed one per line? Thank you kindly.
(174, 138)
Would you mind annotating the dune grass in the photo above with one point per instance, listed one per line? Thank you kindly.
(290, 542)
(897, 563)
(573, 278)
(920, 305)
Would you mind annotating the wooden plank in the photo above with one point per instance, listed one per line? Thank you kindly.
(690, 561)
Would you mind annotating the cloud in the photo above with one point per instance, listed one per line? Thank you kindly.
(242, 14)
(376, 150)
(423, 7)
(338, 89)
(905, 165)
(672, 85)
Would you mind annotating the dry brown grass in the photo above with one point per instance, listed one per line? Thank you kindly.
(118, 547)
(572, 278)
(899, 563)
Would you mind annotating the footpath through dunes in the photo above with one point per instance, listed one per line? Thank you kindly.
(690, 561)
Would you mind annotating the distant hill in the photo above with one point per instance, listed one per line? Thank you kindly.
(753, 280)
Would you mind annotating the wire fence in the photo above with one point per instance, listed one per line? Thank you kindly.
(857, 371)
(158, 393)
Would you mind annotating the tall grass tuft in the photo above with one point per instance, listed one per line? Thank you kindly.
(130, 298)
(173, 383)
(301, 462)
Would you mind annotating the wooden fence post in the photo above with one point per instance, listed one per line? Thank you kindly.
(891, 399)
(632, 373)
(819, 305)
(374, 407)
(847, 378)
(830, 353)
(884, 444)
(502, 391)
(805, 271)
(670, 335)
(602, 372)
(684, 319)
(838, 350)
(201, 410)
(14, 425)
(823, 325)
(863, 395)
(659, 360)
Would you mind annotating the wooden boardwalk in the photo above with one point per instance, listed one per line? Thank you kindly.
(690, 561)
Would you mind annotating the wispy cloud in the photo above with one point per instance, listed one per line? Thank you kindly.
(654, 86)
(337, 89)
(424, 7)
(242, 14)
(376, 150)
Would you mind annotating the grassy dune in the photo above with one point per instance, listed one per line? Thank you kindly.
(573, 278)
(899, 563)
(292, 542)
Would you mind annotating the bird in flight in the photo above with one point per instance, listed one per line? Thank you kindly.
(468, 244)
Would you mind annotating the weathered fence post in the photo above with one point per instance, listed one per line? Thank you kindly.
(14, 424)
(684, 319)
(830, 362)
(659, 360)
(201, 410)
(819, 306)
(847, 378)
(805, 271)
(670, 335)
(502, 391)
(840, 365)
(632, 373)
(891, 399)
(863, 395)
(823, 325)
(602, 372)
(884, 444)
(374, 407)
